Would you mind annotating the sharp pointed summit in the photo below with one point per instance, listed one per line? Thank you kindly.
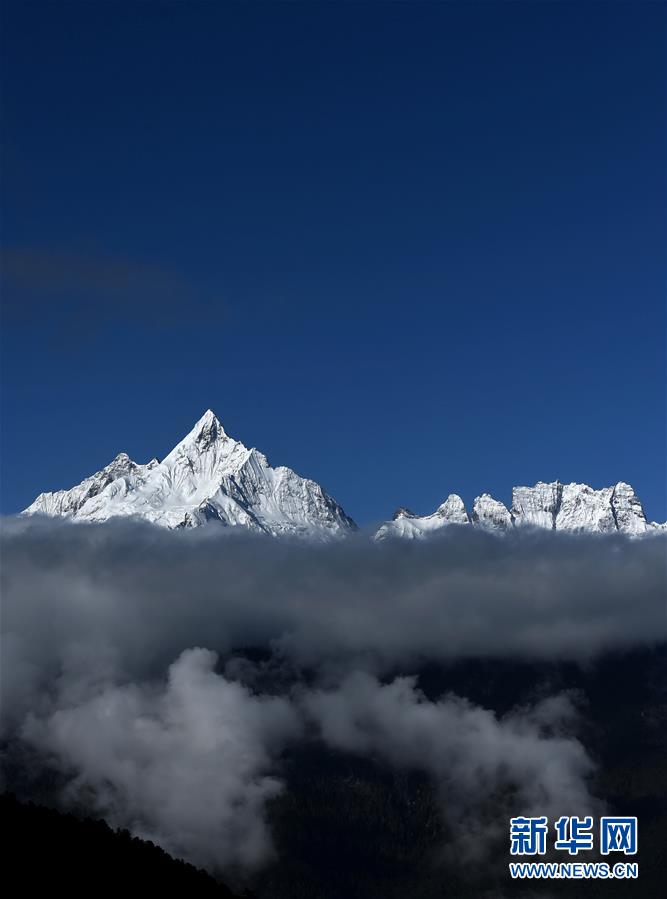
(207, 477)
(209, 423)
(207, 430)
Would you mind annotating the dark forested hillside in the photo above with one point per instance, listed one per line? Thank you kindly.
(46, 850)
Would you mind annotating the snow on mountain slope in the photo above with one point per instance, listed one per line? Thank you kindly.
(488, 512)
(577, 507)
(208, 476)
(68, 502)
(406, 524)
(536, 506)
(555, 506)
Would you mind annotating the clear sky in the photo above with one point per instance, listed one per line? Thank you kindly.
(407, 249)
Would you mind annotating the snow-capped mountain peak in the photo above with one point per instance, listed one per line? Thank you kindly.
(453, 510)
(407, 524)
(208, 476)
(207, 431)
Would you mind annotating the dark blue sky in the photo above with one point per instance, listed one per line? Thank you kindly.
(406, 249)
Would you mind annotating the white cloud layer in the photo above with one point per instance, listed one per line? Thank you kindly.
(101, 674)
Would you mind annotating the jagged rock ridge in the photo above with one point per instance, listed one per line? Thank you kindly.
(554, 506)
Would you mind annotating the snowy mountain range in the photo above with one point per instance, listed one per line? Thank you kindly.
(555, 506)
(209, 476)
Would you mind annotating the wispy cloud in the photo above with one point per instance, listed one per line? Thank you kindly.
(82, 290)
